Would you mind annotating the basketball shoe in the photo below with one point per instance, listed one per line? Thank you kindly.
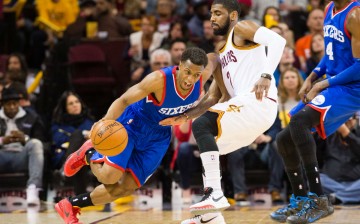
(208, 218)
(292, 208)
(211, 202)
(77, 159)
(67, 212)
(312, 210)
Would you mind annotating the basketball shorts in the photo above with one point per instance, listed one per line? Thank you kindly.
(336, 105)
(147, 145)
(241, 120)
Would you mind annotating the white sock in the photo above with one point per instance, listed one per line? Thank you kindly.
(211, 163)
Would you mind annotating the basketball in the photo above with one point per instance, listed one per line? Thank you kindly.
(109, 137)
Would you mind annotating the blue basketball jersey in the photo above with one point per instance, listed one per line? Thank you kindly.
(147, 140)
(337, 39)
(172, 103)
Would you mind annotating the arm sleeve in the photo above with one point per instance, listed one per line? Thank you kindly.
(350, 74)
(320, 69)
(275, 44)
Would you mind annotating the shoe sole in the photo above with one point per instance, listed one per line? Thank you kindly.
(195, 211)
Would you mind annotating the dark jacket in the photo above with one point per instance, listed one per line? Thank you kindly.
(342, 157)
(30, 124)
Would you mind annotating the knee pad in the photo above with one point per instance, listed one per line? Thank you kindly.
(207, 123)
(283, 140)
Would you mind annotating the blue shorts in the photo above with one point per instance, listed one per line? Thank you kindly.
(147, 145)
(336, 105)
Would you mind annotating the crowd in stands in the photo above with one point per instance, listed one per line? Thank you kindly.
(41, 109)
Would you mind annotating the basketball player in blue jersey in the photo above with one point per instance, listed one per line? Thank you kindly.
(161, 94)
(325, 105)
(244, 64)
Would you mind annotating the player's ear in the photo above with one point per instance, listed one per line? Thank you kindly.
(233, 16)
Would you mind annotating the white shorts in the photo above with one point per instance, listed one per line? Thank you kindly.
(241, 120)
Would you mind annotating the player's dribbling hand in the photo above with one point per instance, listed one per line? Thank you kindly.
(173, 121)
(261, 86)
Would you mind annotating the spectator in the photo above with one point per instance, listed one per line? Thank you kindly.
(210, 41)
(143, 42)
(110, 25)
(340, 175)
(54, 17)
(260, 6)
(315, 25)
(165, 15)
(287, 34)
(317, 51)
(177, 47)
(21, 134)
(77, 30)
(158, 59)
(70, 128)
(178, 30)
(271, 17)
(288, 60)
(201, 13)
(180, 7)
(288, 89)
(16, 64)
(245, 6)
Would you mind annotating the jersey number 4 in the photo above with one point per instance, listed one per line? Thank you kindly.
(329, 51)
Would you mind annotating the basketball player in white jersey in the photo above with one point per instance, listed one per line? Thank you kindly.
(247, 61)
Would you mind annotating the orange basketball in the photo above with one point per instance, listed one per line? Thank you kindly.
(109, 137)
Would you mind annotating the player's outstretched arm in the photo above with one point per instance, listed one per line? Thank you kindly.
(152, 83)
(248, 30)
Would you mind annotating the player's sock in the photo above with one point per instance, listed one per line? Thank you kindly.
(296, 180)
(211, 164)
(81, 201)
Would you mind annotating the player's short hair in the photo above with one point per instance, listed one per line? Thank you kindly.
(196, 55)
(230, 5)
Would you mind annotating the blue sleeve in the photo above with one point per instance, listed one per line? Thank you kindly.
(59, 135)
(350, 74)
(320, 69)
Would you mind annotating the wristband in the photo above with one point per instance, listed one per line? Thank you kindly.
(266, 76)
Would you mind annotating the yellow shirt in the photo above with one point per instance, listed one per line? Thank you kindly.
(60, 14)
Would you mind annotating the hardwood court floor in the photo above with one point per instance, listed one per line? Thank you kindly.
(126, 214)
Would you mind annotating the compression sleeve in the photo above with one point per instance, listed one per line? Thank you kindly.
(320, 69)
(275, 44)
(350, 74)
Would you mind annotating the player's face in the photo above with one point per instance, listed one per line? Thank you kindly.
(220, 19)
(188, 75)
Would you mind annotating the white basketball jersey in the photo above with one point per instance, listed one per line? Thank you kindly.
(242, 67)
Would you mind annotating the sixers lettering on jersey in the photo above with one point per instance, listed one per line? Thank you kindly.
(228, 58)
(173, 102)
(176, 110)
(338, 51)
(332, 32)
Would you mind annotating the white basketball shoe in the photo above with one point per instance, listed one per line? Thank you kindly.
(208, 218)
(211, 202)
